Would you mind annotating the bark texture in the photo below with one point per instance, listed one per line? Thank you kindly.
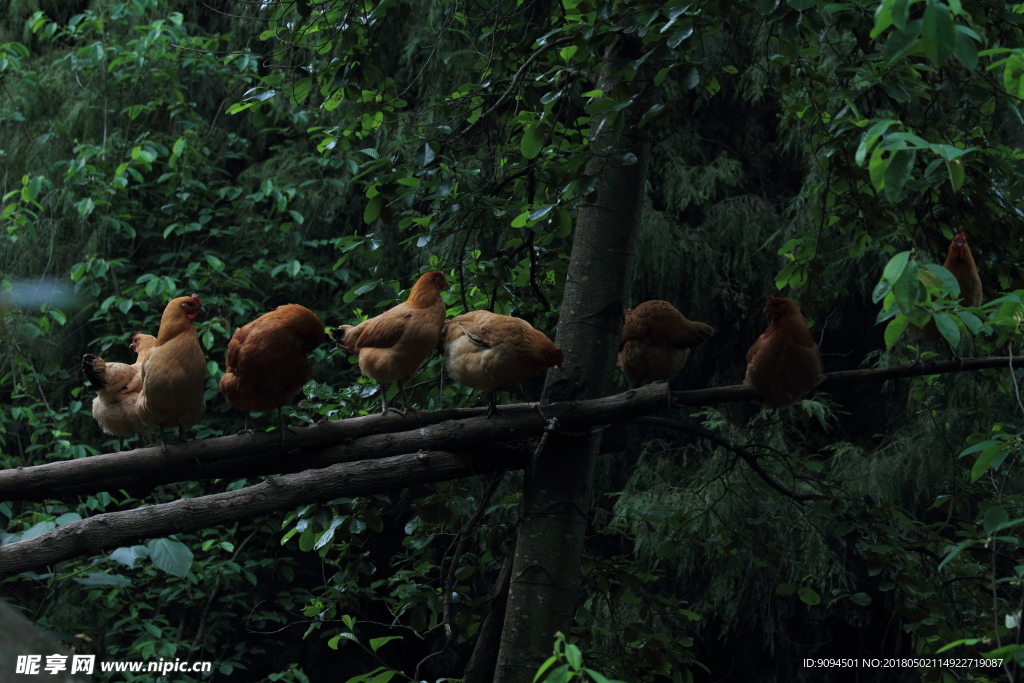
(543, 593)
(371, 475)
(248, 456)
(114, 529)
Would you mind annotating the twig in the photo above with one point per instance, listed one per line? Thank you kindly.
(515, 79)
(749, 458)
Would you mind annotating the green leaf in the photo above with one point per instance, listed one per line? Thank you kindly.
(533, 140)
(907, 289)
(883, 18)
(949, 556)
(375, 643)
(956, 173)
(174, 557)
(801, 5)
(900, 13)
(894, 329)
(294, 267)
(947, 279)
(785, 589)
(359, 290)
(85, 207)
(868, 139)
(575, 657)
(808, 596)
(937, 32)
(881, 290)
(897, 173)
(973, 322)
(877, 168)
(901, 42)
(966, 51)
(861, 599)
(995, 518)
(301, 90)
(545, 666)
(948, 328)
(102, 579)
(372, 209)
(984, 461)
(895, 267)
(333, 642)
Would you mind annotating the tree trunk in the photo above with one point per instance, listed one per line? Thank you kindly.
(543, 593)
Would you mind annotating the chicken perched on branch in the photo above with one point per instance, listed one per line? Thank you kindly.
(784, 363)
(392, 345)
(267, 360)
(119, 386)
(174, 374)
(959, 262)
(484, 350)
(656, 342)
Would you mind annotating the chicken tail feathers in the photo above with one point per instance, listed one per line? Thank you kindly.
(699, 333)
(339, 334)
(95, 371)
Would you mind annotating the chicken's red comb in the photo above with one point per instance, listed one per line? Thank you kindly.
(771, 299)
(196, 298)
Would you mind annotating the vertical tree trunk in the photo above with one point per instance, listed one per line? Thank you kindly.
(543, 594)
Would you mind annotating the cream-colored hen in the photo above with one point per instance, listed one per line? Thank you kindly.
(484, 350)
(119, 387)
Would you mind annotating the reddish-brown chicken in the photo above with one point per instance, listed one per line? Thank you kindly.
(118, 387)
(484, 350)
(784, 363)
(960, 262)
(174, 374)
(267, 360)
(656, 342)
(392, 345)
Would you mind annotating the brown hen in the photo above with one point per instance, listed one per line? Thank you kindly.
(174, 374)
(267, 360)
(959, 262)
(392, 345)
(784, 363)
(656, 342)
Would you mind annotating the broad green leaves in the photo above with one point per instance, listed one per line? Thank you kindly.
(912, 294)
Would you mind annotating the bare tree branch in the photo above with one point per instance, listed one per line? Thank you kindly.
(114, 529)
(322, 445)
(378, 436)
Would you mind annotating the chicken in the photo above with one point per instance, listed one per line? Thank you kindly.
(266, 361)
(119, 386)
(959, 262)
(656, 342)
(174, 374)
(484, 350)
(784, 363)
(392, 345)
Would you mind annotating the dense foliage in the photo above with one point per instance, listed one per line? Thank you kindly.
(326, 153)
